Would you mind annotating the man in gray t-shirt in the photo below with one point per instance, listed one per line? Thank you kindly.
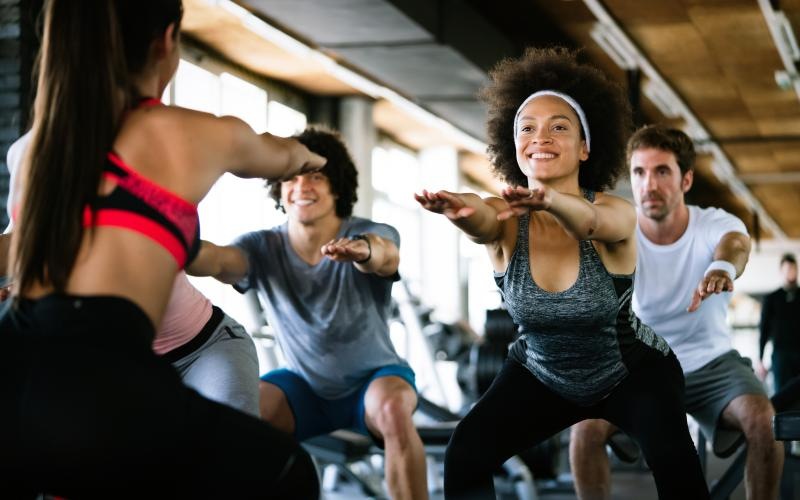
(325, 279)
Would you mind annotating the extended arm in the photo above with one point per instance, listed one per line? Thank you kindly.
(609, 219)
(732, 252)
(369, 253)
(227, 264)
(469, 212)
(215, 145)
(269, 156)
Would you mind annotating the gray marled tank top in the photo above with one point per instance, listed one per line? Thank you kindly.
(580, 342)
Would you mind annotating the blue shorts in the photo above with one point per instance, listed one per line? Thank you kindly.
(314, 415)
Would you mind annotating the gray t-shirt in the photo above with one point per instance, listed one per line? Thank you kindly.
(331, 319)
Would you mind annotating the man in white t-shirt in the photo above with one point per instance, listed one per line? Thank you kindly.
(688, 259)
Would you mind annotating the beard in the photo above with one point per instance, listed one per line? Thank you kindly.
(657, 212)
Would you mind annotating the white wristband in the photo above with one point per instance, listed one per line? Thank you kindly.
(722, 265)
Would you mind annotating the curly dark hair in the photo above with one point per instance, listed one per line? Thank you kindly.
(607, 110)
(340, 169)
(666, 139)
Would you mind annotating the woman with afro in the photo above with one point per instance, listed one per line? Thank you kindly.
(564, 256)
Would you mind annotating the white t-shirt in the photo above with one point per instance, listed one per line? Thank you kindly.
(666, 277)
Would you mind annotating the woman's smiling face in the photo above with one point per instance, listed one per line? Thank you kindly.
(548, 139)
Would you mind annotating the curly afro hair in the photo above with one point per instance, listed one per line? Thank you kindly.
(606, 107)
(340, 169)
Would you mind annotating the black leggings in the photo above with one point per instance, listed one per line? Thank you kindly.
(518, 411)
(90, 412)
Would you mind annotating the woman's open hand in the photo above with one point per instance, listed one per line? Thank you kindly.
(444, 202)
(521, 199)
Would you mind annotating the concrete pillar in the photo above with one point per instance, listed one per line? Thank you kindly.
(324, 110)
(358, 130)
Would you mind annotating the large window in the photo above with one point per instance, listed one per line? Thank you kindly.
(284, 120)
(197, 88)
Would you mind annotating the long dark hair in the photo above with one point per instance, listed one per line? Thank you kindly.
(90, 50)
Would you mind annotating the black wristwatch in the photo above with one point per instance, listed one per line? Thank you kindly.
(365, 238)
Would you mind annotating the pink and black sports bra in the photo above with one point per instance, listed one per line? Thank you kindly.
(139, 204)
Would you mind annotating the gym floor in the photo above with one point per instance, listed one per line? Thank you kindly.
(628, 482)
(635, 482)
(638, 484)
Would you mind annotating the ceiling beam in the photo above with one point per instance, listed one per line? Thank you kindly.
(358, 81)
(757, 139)
(771, 178)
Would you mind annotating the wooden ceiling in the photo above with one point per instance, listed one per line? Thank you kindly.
(717, 55)
(225, 33)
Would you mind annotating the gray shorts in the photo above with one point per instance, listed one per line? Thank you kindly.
(712, 387)
(221, 364)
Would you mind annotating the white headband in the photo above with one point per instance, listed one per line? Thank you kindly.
(569, 100)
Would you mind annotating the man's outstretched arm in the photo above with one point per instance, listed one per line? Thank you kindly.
(730, 258)
(227, 264)
(369, 252)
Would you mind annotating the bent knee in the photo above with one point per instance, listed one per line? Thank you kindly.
(393, 418)
(590, 434)
(756, 422)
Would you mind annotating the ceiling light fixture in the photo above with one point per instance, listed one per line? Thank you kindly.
(782, 35)
(663, 98)
(615, 48)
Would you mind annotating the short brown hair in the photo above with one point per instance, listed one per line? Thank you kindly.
(667, 139)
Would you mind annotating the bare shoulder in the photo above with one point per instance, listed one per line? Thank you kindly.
(175, 147)
(175, 117)
(197, 134)
(180, 118)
